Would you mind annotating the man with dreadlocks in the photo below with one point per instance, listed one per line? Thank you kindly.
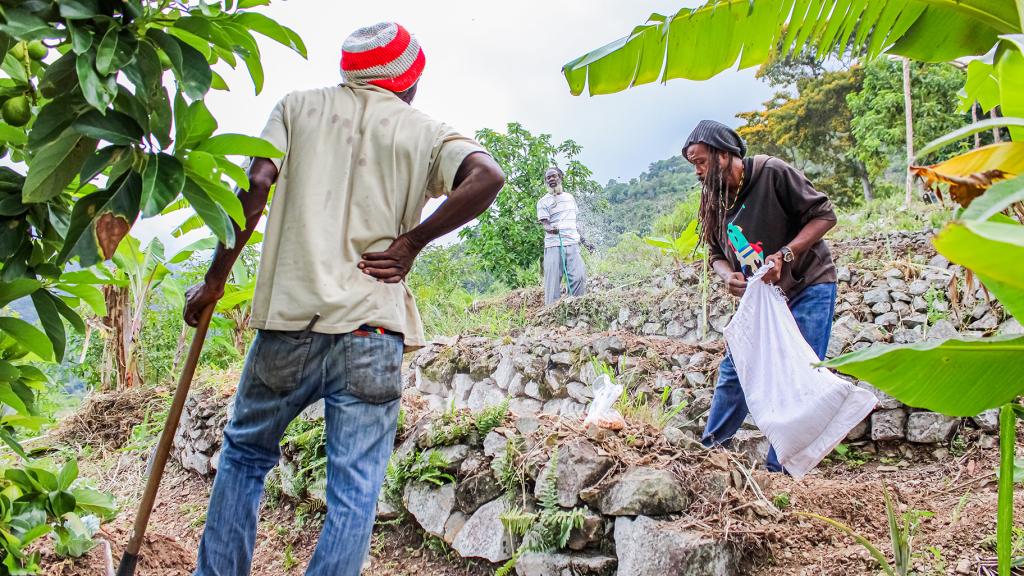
(753, 211)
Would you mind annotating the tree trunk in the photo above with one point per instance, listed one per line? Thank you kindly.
(865, 180)
(118, 320)
(909, 109)
(974, 117)
(180, 350)
(995, 131)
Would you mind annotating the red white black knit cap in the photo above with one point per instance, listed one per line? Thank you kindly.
(384, 55)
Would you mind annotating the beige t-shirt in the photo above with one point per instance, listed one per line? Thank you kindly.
(359, 165)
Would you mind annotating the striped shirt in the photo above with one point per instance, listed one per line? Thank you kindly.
(560, 211)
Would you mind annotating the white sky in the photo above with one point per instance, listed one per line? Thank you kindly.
(491, 63)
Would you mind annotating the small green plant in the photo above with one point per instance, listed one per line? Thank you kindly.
(781, 500)
(683, 249)
(289, 561)
(958, 446)
(851, 456)
(36, 500)
(510, 475)
(428, 466)
(452, 427)
(938, 308)
(400, 425)
(546, 530)
(936, 562)
(902, 529)
(491, 417)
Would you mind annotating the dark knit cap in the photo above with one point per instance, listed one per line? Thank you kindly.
(716, 135)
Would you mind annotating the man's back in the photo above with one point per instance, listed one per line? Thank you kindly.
(359, 166)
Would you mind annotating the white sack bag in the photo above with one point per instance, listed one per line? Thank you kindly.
(804, 411)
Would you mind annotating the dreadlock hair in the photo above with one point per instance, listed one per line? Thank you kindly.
(713, 195)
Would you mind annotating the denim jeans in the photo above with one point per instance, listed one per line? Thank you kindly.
(359, 378)
(813, 309)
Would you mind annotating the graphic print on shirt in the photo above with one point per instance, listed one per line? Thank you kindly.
(751, 256)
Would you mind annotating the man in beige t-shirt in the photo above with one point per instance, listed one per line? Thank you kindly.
(331, 307)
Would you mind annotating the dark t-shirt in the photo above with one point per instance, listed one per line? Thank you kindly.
(775, 203)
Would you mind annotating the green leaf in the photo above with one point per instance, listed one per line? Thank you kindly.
(9, 439)
(100, 220)
(189, 64)
(88, 294)
(28, 336)
(1010, 68)
(12, 135)
(79, 9)
(160, 117)
(145, 71)
(61, 502)
(52, 324)
(699, 43)
(95, 502)
(985, 248)
(954, 377)
(116, 50)
(68, 473)
(249, 51)
(193, 123)
(9, 398)
(220, 194)
(56, 165)
(114, 127)
(81, 38)
(61, 77)
(65, 310)
(99, 91)
(54, 118)
(957, 135)
(162, 181)
(99, 161)
(212, 214)
(11, 291)
(271, 29)
(244, 4)
(241, 145)
(233, 171)
(27, 26)
(200, 44)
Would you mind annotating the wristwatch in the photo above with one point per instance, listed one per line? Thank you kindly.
(787, 254)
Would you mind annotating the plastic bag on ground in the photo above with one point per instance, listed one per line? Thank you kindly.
(804, 411)
(601, 411)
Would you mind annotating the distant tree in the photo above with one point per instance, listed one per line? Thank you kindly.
(811, 129)
(877, 124)
(507, 238)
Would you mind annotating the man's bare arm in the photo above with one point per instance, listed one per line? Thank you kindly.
(262, 175)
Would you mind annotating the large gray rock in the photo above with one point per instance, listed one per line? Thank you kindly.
(484, 395)
(644, 491)
(988, 420)
(876, 296)
(561, 564)
(579, 467)
(930, 427)
(475, 491)
(453, 455)
(590, 534)
(484, 536)
(611, 344)
(462, 387)
(647, 547)
(752, 444)
(919, 287)
(495, 444)
(888, 425)
(580, 392)
(453, 526)
(430, 505)
(942, 330)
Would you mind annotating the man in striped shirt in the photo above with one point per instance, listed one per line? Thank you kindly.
(556, 211)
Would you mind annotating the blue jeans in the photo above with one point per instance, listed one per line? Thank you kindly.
(813, 309)
(359, 377)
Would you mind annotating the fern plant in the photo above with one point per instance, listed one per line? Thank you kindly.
(418, 466)
(545, 531)
(511, 477)
(491, 417)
